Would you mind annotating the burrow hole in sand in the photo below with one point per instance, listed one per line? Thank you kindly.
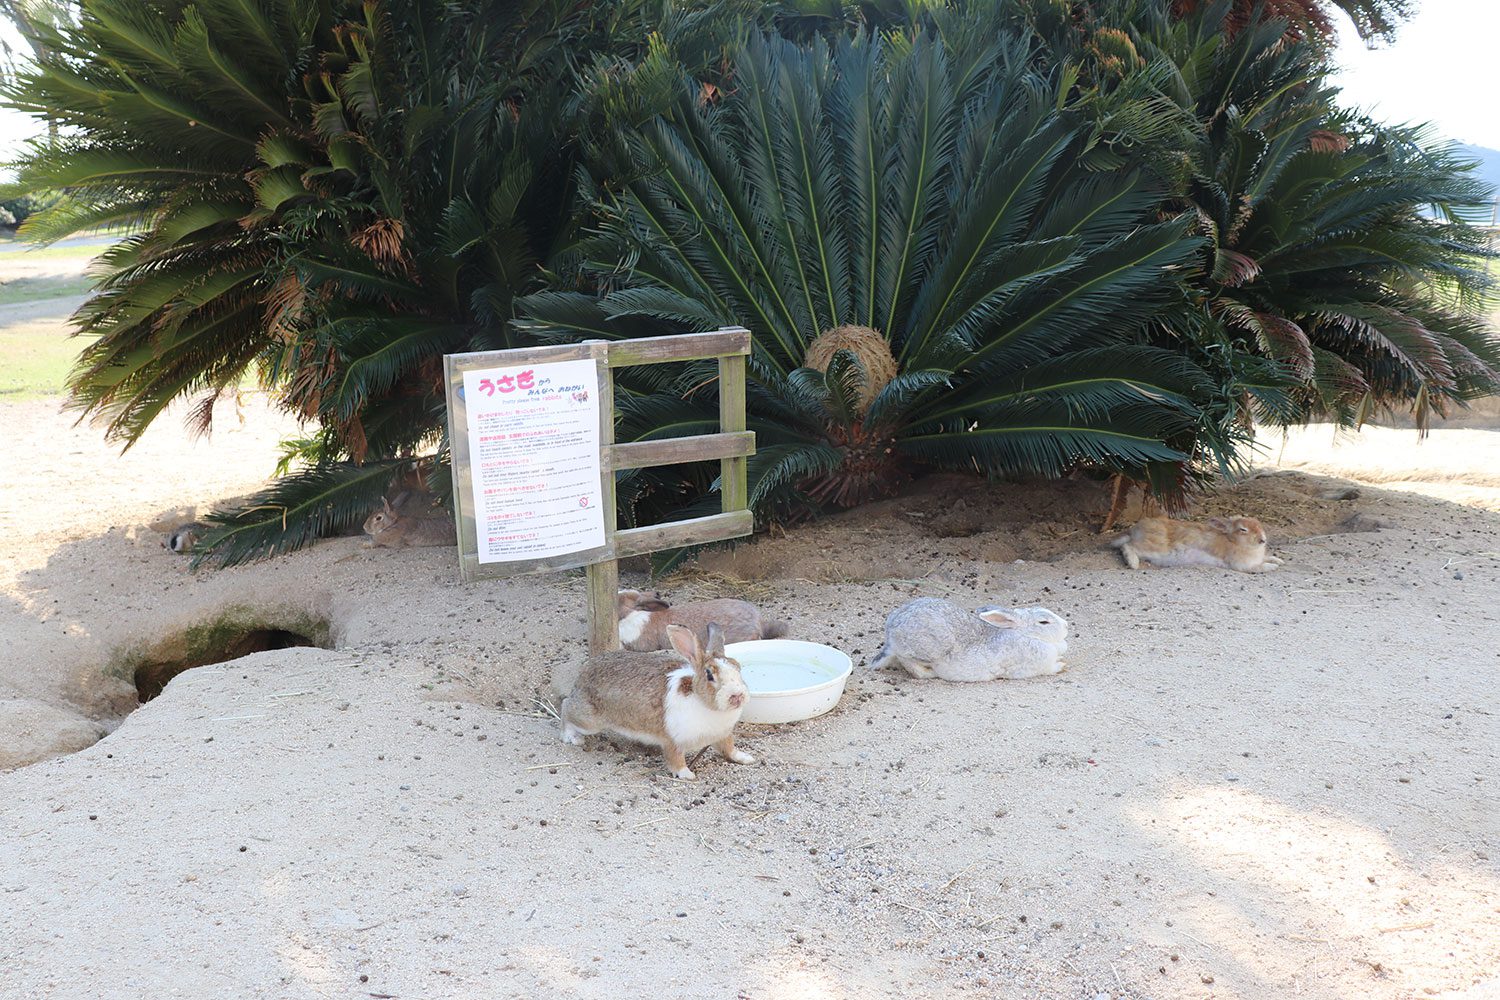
(230, 635)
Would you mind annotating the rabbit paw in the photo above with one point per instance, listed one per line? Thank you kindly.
(684, 774)
(572, 736)
(739, 756)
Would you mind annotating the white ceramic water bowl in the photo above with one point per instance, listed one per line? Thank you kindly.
(790, 680)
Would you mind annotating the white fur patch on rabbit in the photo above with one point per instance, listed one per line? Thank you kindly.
(691, 723)
(631, 627)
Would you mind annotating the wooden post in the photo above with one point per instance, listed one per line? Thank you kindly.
(604, 576)
(734, 472)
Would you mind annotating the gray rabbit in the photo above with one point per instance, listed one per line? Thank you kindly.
(931, 637)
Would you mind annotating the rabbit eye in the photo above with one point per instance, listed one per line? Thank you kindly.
(708, 674)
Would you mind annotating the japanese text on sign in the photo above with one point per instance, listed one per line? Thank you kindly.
(534, 459)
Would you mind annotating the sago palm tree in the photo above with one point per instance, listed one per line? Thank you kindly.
(1302, 18)
(329, 195)
(932, 278)
(1345, 251)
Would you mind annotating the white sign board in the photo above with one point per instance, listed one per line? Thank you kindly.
(534, 459)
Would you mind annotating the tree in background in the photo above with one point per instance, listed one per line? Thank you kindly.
(329, 196)
(937, 274)
(1350, 254)
(1373, 19)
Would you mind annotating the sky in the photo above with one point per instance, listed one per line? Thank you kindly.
(1439, 70)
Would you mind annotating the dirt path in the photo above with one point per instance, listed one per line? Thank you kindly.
(1243, 787)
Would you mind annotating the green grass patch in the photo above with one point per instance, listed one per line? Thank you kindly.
(35, 360)
(22, 290)
(24, 251)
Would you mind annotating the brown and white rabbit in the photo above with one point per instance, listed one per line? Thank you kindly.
(184, 538)
(1237, 543)
(390, 529)
(645, 618)
(681, 700)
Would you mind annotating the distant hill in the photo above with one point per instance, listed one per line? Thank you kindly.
(1489, 162)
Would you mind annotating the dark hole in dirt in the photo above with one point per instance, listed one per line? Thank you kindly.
(151, 677)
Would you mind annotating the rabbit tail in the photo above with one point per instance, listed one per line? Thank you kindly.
(883, 658)
(772, 629)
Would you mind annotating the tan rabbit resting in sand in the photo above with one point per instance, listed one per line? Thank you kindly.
(681, 700)
(392, 530)
(1237, 543)
(645, 618)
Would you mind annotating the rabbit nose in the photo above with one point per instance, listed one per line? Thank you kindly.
(736, 700)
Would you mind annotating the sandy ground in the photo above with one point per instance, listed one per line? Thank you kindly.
(1243, 787)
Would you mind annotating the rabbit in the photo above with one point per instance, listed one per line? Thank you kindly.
(1238, 544)
(183, 538)
(931, 637)
(681, 700)
(645, 618)
(392, 530)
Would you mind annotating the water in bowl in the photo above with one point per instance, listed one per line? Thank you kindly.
(784, 673)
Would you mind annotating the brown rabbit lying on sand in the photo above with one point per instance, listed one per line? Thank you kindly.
(392, 530)
(645, 618)
(1237, 544)
(681, 701)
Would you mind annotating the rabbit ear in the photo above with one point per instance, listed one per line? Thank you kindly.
(387, 505)
(651, 604)
(685, 642)
(715, 640)
(1219, 524)
(999, 618)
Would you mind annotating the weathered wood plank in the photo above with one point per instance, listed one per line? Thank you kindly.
(458, 461)
(530, 567)
(676, 451)
(604, 576)
(734, 471)
(676, 534)
(518, 356)
(682, 347)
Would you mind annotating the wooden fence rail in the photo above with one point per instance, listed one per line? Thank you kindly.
(731, 447)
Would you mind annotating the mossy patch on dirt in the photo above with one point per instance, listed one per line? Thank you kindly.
(236, 631)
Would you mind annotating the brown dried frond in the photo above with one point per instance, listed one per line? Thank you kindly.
(1304, 17)
(353, 435)
(200, 419)
(382, 241)
(1324, 141)
(1115, 51)
(285, 304)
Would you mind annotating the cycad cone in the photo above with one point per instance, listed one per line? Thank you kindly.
(869, 348)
